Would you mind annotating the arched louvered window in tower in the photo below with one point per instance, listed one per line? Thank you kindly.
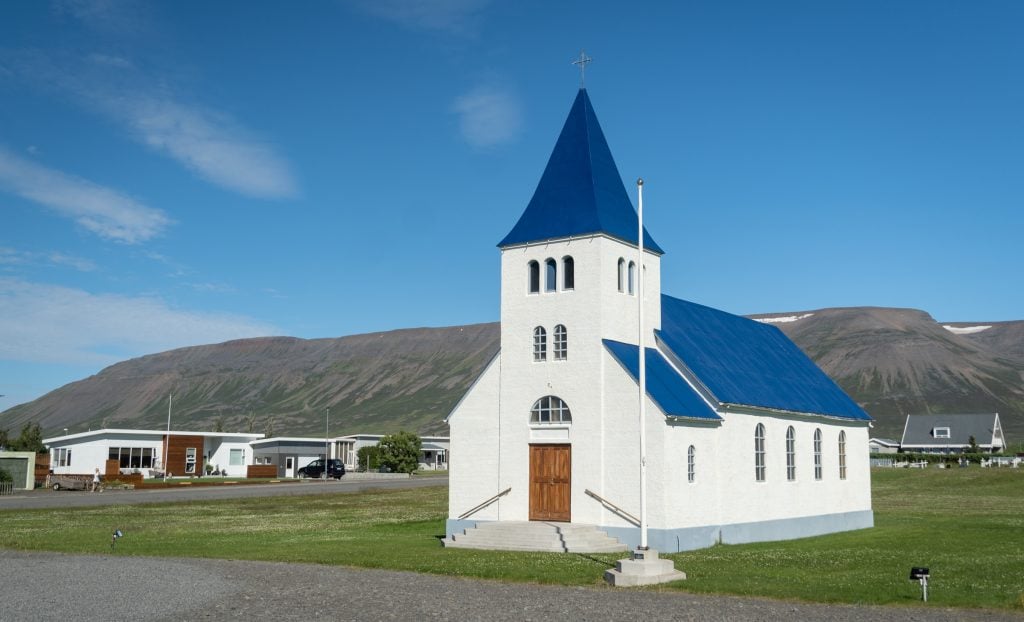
(568, 273)
(759, 468)
(550, 275)
(540, 344)
(561, 343)
(550, 409)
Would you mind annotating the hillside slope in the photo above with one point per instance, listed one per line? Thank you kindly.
(891, 361)
(899, 361)
(379, 382)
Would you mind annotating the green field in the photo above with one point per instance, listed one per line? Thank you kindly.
(967, 525)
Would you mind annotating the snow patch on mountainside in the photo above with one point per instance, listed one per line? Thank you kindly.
(965, 330)
(782, 319)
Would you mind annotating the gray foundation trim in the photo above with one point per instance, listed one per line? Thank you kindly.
(690, 538)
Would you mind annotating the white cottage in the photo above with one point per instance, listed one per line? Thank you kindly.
(747, 440)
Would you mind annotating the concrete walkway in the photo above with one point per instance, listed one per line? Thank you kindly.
(51, 586)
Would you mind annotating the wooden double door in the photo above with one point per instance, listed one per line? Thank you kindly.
(550, 482)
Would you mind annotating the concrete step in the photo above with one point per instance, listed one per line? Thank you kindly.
(536, 536)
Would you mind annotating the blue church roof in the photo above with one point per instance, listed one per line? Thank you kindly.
(664, 385)
(580, 192)
(750, 363)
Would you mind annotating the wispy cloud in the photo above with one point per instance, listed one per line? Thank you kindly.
(488, 116)
(54, 324)
(14, 257)
(124, 18)
(101, 210)
(453, 16)
(208, 142)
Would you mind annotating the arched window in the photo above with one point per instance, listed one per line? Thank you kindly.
(622, 274)
(561, 343)
(568, 273)
(632, 277)
(550, 409)
(534, 277)
(550, 275)
(817, 454)
(540, 344)
(791, 454)
(842, 455)
(691, 464)
(759, 453)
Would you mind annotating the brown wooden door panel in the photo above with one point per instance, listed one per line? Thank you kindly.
(550, 482)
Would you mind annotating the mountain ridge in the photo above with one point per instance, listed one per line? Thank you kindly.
(891, 361)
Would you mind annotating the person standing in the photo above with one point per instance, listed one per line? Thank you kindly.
(95, 480)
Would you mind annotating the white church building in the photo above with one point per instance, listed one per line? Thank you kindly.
(747, 439)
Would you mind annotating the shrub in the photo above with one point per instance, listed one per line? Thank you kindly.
(5, 476)
(400, 452)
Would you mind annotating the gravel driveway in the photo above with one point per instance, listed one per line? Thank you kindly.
(54, 586)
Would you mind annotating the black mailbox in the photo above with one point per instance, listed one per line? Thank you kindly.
(916, 574)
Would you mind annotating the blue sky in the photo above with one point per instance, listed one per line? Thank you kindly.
(181, 173)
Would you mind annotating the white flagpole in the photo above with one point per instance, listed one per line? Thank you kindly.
(167, 438)
(643, 363)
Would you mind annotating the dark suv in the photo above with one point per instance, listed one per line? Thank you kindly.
(315, 469)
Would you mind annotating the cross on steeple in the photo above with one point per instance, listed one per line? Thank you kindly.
(582, 62)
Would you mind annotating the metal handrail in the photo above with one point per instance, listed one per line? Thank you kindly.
(485, 503)
(614, 507)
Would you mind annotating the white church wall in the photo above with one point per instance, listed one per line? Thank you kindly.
(473, 469)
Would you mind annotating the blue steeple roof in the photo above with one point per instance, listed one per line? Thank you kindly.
(580, 192)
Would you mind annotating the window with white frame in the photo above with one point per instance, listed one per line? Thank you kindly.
(550, 409)
(190, 460)
(691, 464)
(842, 455)
(236, 457)
(632, 277)
(568, 273)
(622, 274)
(561, 343)
(940, 432)
(540, 344)
(62, 457)
(132, 457)
(791, 454)
(759, 467)
(817, 454)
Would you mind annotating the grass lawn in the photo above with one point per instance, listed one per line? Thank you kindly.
(967, 525)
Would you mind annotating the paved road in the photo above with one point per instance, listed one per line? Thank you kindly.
(45, 498)
(52, 586)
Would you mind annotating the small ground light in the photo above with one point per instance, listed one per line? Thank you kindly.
(113, 538)
(921, 576)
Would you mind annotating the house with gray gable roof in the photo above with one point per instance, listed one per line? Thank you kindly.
(937, 434)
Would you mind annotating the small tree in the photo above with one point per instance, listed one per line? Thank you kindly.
(5, 439)
(369, 457)
(400, 452)
(30, 439)
(972, 446)
(218, 425)
(5, 476)
(268, 430)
